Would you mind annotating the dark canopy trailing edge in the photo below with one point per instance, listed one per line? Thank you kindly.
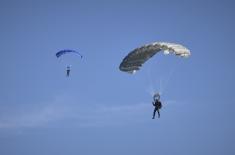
(62, 52)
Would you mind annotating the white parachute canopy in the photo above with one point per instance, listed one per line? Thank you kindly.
(136, 58)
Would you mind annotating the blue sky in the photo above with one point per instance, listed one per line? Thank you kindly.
(99, 109)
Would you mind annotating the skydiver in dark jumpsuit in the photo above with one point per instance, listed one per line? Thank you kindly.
(157, 105)
(68, 71)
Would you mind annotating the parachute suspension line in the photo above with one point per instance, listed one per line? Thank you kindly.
(150, 88)
(153, 86)
(164, 85)
(160, 87)
(168, 78)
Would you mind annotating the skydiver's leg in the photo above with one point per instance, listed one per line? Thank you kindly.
(68, 72)
(154, 112)
(158, 113)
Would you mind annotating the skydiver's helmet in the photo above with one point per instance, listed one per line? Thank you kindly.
(156, 97)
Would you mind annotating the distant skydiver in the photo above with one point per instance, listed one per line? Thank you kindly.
(68, 71)
(157, 105)
(65, 52)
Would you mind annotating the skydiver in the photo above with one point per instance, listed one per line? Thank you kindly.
(68, 71)
(157, 105)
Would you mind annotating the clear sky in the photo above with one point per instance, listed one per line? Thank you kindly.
(99, 109)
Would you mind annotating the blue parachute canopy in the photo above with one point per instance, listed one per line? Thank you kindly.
(62, 52)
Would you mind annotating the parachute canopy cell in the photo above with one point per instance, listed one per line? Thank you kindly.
(136, 58)
(66, 51)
